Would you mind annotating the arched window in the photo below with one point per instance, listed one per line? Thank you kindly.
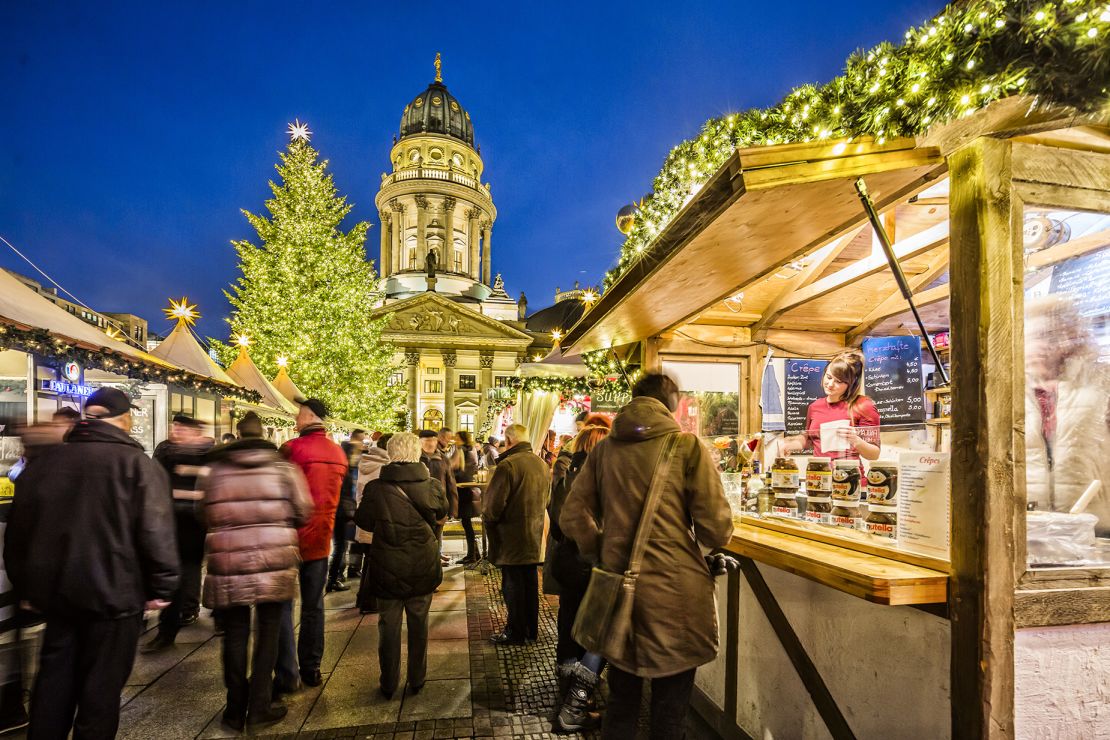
(460, 255)
(433, 419)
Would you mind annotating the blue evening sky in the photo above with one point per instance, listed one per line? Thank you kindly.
(133, 132)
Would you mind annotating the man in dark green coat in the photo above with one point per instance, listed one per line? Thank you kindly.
(513, 511)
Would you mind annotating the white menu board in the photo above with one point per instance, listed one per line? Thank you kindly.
(923, 506)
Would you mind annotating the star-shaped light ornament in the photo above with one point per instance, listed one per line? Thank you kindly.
(181, 311)
(299, 131)
(283, 361)
(243, 340)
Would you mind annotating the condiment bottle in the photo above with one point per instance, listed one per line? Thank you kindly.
(785, 483)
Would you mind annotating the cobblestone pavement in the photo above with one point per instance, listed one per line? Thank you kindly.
(473, 688)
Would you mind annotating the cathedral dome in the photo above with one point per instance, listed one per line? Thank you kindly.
(436, 111)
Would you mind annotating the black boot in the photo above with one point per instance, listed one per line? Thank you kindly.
(563, 673)
(575, 714)
(13, 715)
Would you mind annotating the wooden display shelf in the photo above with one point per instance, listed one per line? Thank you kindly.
(871, 577)
(939, 420)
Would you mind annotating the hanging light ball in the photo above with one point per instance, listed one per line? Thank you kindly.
(626, 218)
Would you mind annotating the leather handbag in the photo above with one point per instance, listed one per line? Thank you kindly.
(603, 623)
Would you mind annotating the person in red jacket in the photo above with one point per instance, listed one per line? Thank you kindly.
(324, 465)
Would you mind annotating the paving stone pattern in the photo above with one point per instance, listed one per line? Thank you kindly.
(474, 689)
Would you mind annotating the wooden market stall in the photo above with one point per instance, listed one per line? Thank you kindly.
(842, 634)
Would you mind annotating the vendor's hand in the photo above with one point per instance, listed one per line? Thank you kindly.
(849, 436)
(156, 605)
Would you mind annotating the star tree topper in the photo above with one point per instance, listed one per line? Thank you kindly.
(181, 311)
(299, 131)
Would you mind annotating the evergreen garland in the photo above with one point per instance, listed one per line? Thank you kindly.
(969, 56)
(41, 342)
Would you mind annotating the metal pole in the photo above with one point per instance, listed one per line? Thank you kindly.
(896, 269)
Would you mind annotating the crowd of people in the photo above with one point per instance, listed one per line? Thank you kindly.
(244, 526)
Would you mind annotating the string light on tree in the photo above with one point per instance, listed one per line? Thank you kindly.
(304, 290)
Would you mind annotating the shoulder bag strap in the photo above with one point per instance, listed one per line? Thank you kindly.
(405, 495)
(651, 503)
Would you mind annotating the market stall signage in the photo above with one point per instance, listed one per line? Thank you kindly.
(892, 379)
(62, 388)
(923, 507)
(609, 398)
(71, 371)
(803, 387)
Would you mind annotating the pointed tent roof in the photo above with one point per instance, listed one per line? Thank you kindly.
(286, 386)
(183, 350)
(244, 372)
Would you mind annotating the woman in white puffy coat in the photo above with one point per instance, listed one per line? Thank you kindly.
(1067, 410)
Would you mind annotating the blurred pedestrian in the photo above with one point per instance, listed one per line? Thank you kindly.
(513, 511)
(345, 513)
(325, 467)
(89, 544)
(489, 452)
(439, 467)
(577, 670)
(465, 467)
(369, 468)
(403, 508)
(183, 457)
(602, 514)
(253, 503)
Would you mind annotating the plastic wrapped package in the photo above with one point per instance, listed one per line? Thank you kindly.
(1056, 538)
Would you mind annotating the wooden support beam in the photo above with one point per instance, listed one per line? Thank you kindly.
(823, 700)
(895, 303)
(1056, 166)
(820, 261)
(988, 418)
(914, 246)
(1062, 197)
(1067, 250)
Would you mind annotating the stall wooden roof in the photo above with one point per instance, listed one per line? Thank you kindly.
(767, 207)
(778, 240)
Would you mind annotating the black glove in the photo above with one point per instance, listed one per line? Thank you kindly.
(720, 564)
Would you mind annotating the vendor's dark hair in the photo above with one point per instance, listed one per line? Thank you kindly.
(658, 386)
(847, 367)
(384, 440)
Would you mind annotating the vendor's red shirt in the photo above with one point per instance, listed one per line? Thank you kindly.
(865, 417)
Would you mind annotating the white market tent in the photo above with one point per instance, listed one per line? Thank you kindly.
(244, 372)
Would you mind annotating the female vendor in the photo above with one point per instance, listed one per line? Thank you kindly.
(843, 402)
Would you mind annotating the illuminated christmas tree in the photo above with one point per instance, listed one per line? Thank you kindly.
(306, 294)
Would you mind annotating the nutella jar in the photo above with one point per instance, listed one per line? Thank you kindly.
(882, 484)
(819, 477)
(882, 521)
(845, 481)
(785, 483)
(819, 491)
(845, 514)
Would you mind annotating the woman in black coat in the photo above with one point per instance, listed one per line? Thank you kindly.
(402, 508)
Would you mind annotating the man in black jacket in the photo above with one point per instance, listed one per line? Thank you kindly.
(439, 468)
(90, 543)
(183, 456)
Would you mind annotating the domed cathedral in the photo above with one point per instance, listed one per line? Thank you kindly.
(459, 334)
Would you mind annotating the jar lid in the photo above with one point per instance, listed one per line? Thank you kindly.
(879, 508)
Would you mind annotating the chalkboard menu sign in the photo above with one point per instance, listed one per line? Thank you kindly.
(803, 387)
(1085, 278)
(892, 379)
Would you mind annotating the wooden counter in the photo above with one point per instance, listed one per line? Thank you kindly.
(870, 577)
